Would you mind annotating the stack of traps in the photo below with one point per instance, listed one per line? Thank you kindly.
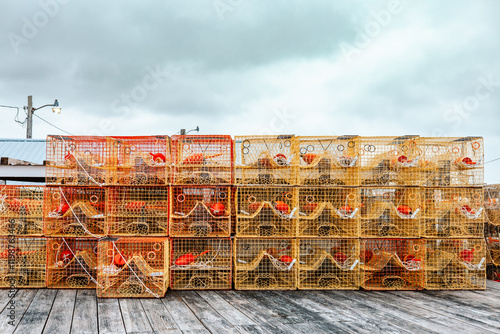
(492, 230)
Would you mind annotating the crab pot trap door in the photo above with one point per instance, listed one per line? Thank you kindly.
(493, 251)
(452, 213)
(390, 212)
(266, 160)
(21, 210)
(329, 264)
(74, 212)
(455, 162)
(390, 161)
(329, 161)
(133, 267)
(76, 160)
(137, 211)
(266, 212)
(265, 264)
(71, 263)
(392, 264)
(455, 264)
(492, 203)
(329, 212)
(200, 264)
(22, 262)
(200, 159)
(140, 160)
(198, 211)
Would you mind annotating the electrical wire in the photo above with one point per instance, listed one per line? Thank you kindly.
(16, 119)
(487, 162)
(58, 128)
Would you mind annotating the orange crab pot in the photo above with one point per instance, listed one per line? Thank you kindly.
(203, 159)
(200, 211)
(21, 210)
(132, 267)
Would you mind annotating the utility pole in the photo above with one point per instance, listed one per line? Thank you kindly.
(29, 123)
(183, 132)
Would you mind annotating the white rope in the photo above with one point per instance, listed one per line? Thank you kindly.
(74, 214)
(78, 161)
(133, 272)
(81, 265)
(2, 202)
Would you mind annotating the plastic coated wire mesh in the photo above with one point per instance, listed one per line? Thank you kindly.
(200, 264)
(71, 263)
(329, 212)
(492, 203)
(391, 212)
(133, 267)
(22, 262)
(75, 211)
(267, 212)
(328, 161)
(203, 159)
(21, 210)
(455, 264)
(392, 264)
(452, 161)
(264, 160)
(200, 211)
(137, 211)
(452, 212)
(328, 264)
(265, 264)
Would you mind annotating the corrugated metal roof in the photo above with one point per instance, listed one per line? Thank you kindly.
(31, 150)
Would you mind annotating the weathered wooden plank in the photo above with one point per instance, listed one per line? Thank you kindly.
(226, 310)
(21, 301)
(134, 316)
(61, 315)
(110, 318)
(37, 313)
(182, 315)
(160, 319)
(85, 313)
(210, 318)
(5, 297)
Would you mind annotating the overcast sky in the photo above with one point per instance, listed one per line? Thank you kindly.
(255, 67)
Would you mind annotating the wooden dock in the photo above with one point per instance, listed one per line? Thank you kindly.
(80, 311)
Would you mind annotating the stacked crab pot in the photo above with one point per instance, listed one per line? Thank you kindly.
(200, 212)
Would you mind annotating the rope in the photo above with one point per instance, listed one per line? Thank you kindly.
(74, 214)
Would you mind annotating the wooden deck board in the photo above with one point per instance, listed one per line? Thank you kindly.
(80, 311)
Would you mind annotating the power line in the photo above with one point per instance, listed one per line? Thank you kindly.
(16, 119)
(491, 161)
(53, 125)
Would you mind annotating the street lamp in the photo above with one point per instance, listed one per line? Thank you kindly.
(183, 131)
(30, 110)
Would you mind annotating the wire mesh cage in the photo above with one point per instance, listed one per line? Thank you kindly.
(265, 264)
(390, 161)
(392, 264)
(328, 161)
(132, 267)
(139, 160)
(137, 211)
(266, 211)
(22, 262)
(328, 264)
(72, 263)
(455, 162)
(200, 263)
(21, 210)
(452, 264)
(203, 159)
(390, 212)
(75, 211)
(266, 160)
(200, 211)
(492, 236)
(77, 160)
(452, 213)
(329, 212)
(492, 203)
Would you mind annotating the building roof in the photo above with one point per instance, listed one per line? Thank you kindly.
(30, 150)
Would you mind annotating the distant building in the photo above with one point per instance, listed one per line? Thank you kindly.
(22, 161)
